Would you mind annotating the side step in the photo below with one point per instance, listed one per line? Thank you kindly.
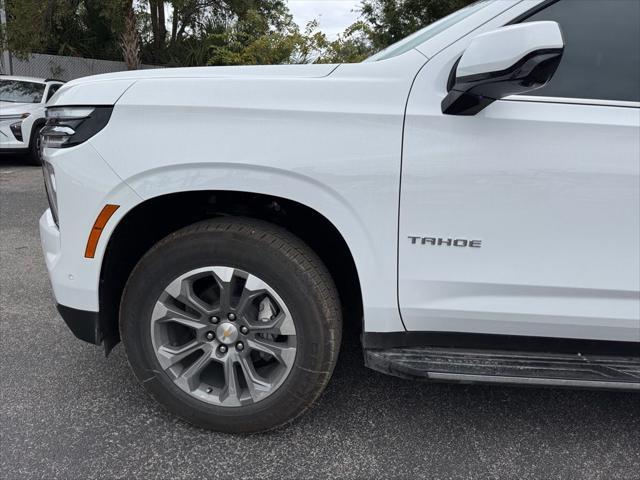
(484, 366)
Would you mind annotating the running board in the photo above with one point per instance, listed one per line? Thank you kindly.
(523, 368)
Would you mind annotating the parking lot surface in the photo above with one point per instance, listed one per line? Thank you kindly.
(68, 412)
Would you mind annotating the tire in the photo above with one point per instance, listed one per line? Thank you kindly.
(34, 146)
(296, 277)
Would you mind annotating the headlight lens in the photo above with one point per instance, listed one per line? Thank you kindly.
(69, 112)
(70, 126)
(17, 116)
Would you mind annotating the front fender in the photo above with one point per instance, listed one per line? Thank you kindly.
(332, 144)
(260, 179)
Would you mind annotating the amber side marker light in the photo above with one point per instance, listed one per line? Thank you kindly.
(104, 216)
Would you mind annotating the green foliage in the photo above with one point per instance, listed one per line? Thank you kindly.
(389, 21)
(65, 27)
(383, 22)
(353, 46)
(208, 32)
(216, 32)
(254, 40)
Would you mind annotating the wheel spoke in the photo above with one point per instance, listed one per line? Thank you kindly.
(231, 391)
(282, 352)
(188, 296)
(168, 356)
(182, 290)
(189, 379)
(258, 387)
(223, 276)
(165, 312)
(246, 298)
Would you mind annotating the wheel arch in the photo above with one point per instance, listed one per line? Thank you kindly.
(153, 219)
(35, 127)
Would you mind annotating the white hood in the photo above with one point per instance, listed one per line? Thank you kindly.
(106, 89)
(274, 71)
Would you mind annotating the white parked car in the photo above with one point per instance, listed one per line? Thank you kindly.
(470, 197)
(22, 107)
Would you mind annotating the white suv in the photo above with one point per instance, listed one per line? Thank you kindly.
(22, 107)
(469, 197)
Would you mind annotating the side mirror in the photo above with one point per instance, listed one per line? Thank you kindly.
(509, 60)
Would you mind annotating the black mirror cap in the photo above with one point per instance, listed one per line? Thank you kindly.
(473, 93)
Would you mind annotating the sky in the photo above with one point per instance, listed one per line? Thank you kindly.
(334, 15)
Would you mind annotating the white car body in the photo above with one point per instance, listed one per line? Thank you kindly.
(28, 114)
(368, 148)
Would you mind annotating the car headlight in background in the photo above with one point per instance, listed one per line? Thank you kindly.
(70, 126)
(14, 116)
(16, 128)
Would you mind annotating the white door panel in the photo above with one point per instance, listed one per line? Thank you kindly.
(553, 192)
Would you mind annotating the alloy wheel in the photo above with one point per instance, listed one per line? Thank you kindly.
(223, 336)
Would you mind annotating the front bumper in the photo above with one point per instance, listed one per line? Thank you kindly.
(9, 143)
(84, 325)
(12, 151)
(84, 183)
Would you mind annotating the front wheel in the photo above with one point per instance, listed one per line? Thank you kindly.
(233, 325)
(34, 146)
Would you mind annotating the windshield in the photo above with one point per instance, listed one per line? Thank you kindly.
(17, 91)
(421, 36)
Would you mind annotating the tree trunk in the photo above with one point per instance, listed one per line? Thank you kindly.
(158, 27)
(162, 24)
(153, 6)
(174, 26)
(129, 40)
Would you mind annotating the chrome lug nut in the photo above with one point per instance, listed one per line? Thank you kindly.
(223, 349)
(239, 346)
(214, 320)
(231, 316)
(244, 330)
(210, 336)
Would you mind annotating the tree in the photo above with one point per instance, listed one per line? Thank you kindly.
(207, 32)
(167, 32)
(129, 40)
(383, 22)
(353, 46)
(391, 20)
(88, 28)
(256, 39)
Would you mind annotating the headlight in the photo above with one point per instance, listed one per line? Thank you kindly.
(16, 116)
(69, 126)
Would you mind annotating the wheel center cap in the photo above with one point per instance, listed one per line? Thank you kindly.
(227, 333)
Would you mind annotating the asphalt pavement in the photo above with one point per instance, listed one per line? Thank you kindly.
(67, 412)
